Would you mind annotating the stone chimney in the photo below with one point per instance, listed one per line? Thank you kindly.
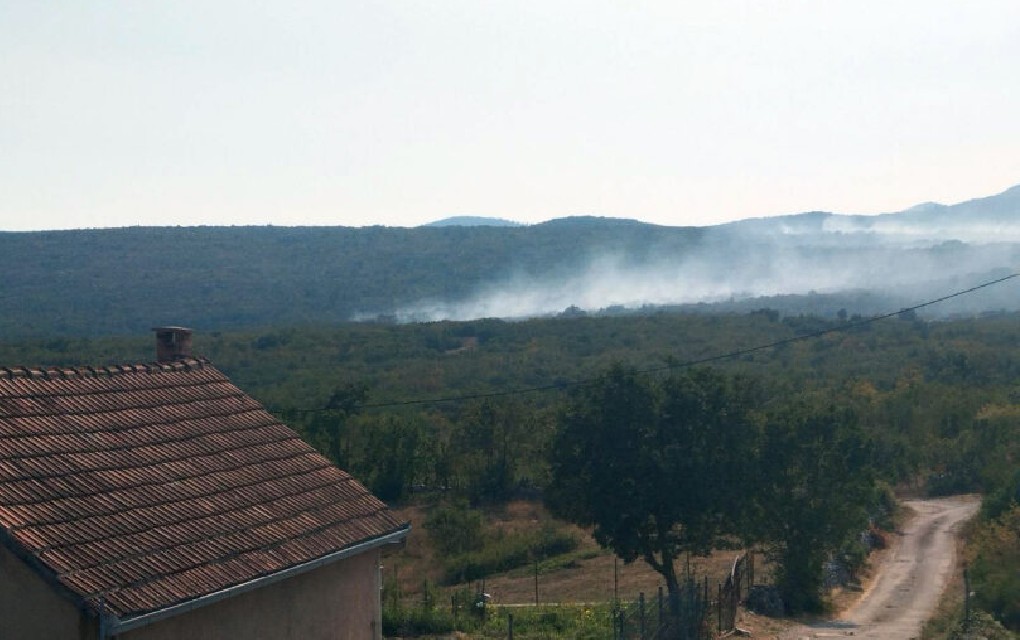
(172, 343)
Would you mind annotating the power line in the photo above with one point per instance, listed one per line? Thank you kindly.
(678, 365)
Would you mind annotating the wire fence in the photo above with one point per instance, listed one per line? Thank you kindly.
(681, 616)
(696, 611)
(691, 613)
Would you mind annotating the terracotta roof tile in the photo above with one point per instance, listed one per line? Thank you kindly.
(153, 485)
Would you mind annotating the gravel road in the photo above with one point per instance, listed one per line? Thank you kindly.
(909, 582)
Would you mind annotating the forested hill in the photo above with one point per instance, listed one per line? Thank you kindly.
(91, 282)
(123, 281)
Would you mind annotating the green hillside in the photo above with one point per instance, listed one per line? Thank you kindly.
(115, 281)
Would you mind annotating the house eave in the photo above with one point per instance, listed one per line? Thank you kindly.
(112, 625)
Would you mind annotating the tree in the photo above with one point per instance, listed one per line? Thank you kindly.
(333, 424)
(486, 444)
(643, 463)
(390, 461)
(814, 487)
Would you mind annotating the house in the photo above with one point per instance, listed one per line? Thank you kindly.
(160, 501)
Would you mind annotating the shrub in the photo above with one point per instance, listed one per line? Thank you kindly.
(454, 528)
(398, 621)
(995, 557)
(1002, 498)
(506, 552)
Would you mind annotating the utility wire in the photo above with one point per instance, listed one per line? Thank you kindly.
(676, 365)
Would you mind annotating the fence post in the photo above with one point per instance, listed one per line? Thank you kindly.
(510, 626)
(660, 606)
(641, 612)
(536, 579)
(750, 571)
(616, 582)
(966, 598)
(734, 601)
(707, 602)
(719, 608)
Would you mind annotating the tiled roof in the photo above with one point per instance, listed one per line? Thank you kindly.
(152, 485)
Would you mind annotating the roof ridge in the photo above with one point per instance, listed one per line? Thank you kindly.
(103, 371)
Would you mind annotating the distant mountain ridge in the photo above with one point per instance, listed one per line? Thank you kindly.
(103, 281)
(1002, 208)
(472, 221)
(998, 210)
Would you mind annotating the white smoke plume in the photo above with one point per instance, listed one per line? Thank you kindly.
(711, 276)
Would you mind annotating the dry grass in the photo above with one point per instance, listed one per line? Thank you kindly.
(415, 563)
(592, 579)
(585, 575)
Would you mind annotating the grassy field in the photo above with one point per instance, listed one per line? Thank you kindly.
(583, 575)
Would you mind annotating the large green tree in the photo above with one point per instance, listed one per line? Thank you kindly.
(814, 485)
(643, 462)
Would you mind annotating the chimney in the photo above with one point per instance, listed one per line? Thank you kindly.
(172, 343)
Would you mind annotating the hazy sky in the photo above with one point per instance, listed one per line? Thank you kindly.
(119, 113)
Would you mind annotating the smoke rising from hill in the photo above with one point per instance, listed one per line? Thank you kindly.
(898, 263)
(924, 252)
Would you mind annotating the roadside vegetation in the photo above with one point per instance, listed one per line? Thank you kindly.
(987, 605)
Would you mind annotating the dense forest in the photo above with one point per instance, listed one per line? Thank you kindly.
(476, 408)
(925, 387)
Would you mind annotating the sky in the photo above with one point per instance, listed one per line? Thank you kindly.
(121, 113)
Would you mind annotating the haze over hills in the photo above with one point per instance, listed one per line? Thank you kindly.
(89, 282)
(887, 259)
(991, 219)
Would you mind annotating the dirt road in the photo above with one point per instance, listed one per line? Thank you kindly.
(908, 584)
